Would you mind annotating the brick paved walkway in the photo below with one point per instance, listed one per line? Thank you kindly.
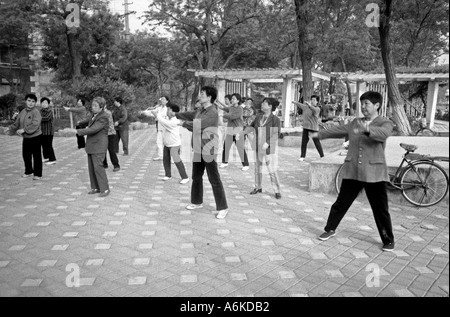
(141, 241)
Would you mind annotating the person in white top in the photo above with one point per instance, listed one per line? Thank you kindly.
(171, 140)
(161, 108)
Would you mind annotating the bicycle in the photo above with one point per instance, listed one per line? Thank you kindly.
(423, 182)
(423, 130)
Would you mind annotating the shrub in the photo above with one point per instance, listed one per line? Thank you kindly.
(100, 86)
(8, 105)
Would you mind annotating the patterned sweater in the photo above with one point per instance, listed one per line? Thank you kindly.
(47, 121)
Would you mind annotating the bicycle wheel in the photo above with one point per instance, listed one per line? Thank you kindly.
(424, 184)
(338, 180)
(425, 132)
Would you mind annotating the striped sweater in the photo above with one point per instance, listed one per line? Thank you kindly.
(47, 121)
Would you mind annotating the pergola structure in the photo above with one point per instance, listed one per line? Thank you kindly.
(288, 76)
(433, 79)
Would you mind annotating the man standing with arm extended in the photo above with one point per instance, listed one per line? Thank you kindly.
(203, 123)
(364, 167)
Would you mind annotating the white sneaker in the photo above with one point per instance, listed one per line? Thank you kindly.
(193, 206)
(46, 160)
(184, 181)
(245, 168)
(157, 159)
(165, 178)
(50, 163)
(301, 159)
(222, 214)
(223, 165)
(27, 175)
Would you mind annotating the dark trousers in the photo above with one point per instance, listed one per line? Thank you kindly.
(80, 139)
(31, 154)
(112, 152)
(47, 147)
(173, 152)
(97, 173)
(240, 145)
(377, 196)
(122, 134)
(198, 169)
(305, 140)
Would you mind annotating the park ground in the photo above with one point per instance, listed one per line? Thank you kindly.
(141, 241)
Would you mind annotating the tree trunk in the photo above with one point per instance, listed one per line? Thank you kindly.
(395, 98)
(349, 94)
(331, 85)
(347, 83)
(74, 55)
(304, 46)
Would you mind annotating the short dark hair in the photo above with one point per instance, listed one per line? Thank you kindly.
(101, 102)
(31, 96)
(167, 98)
(228, 97)
(315, 96)
(251, 99)
(119, 100)
(273, 102)
(373, 96)
(45, 99)
(83, 101)
(175, 108)
(210, 92)
(238, 97)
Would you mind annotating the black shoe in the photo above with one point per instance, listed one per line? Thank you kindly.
(105, 166)
(389, 247)
(105, 193)
(93, 191)
(256, 191)
(277, 195)
(327, 235)
(116, 169)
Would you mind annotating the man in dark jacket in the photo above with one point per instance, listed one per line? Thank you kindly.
(120, 117)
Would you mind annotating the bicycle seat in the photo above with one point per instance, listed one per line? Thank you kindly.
(408, 147)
